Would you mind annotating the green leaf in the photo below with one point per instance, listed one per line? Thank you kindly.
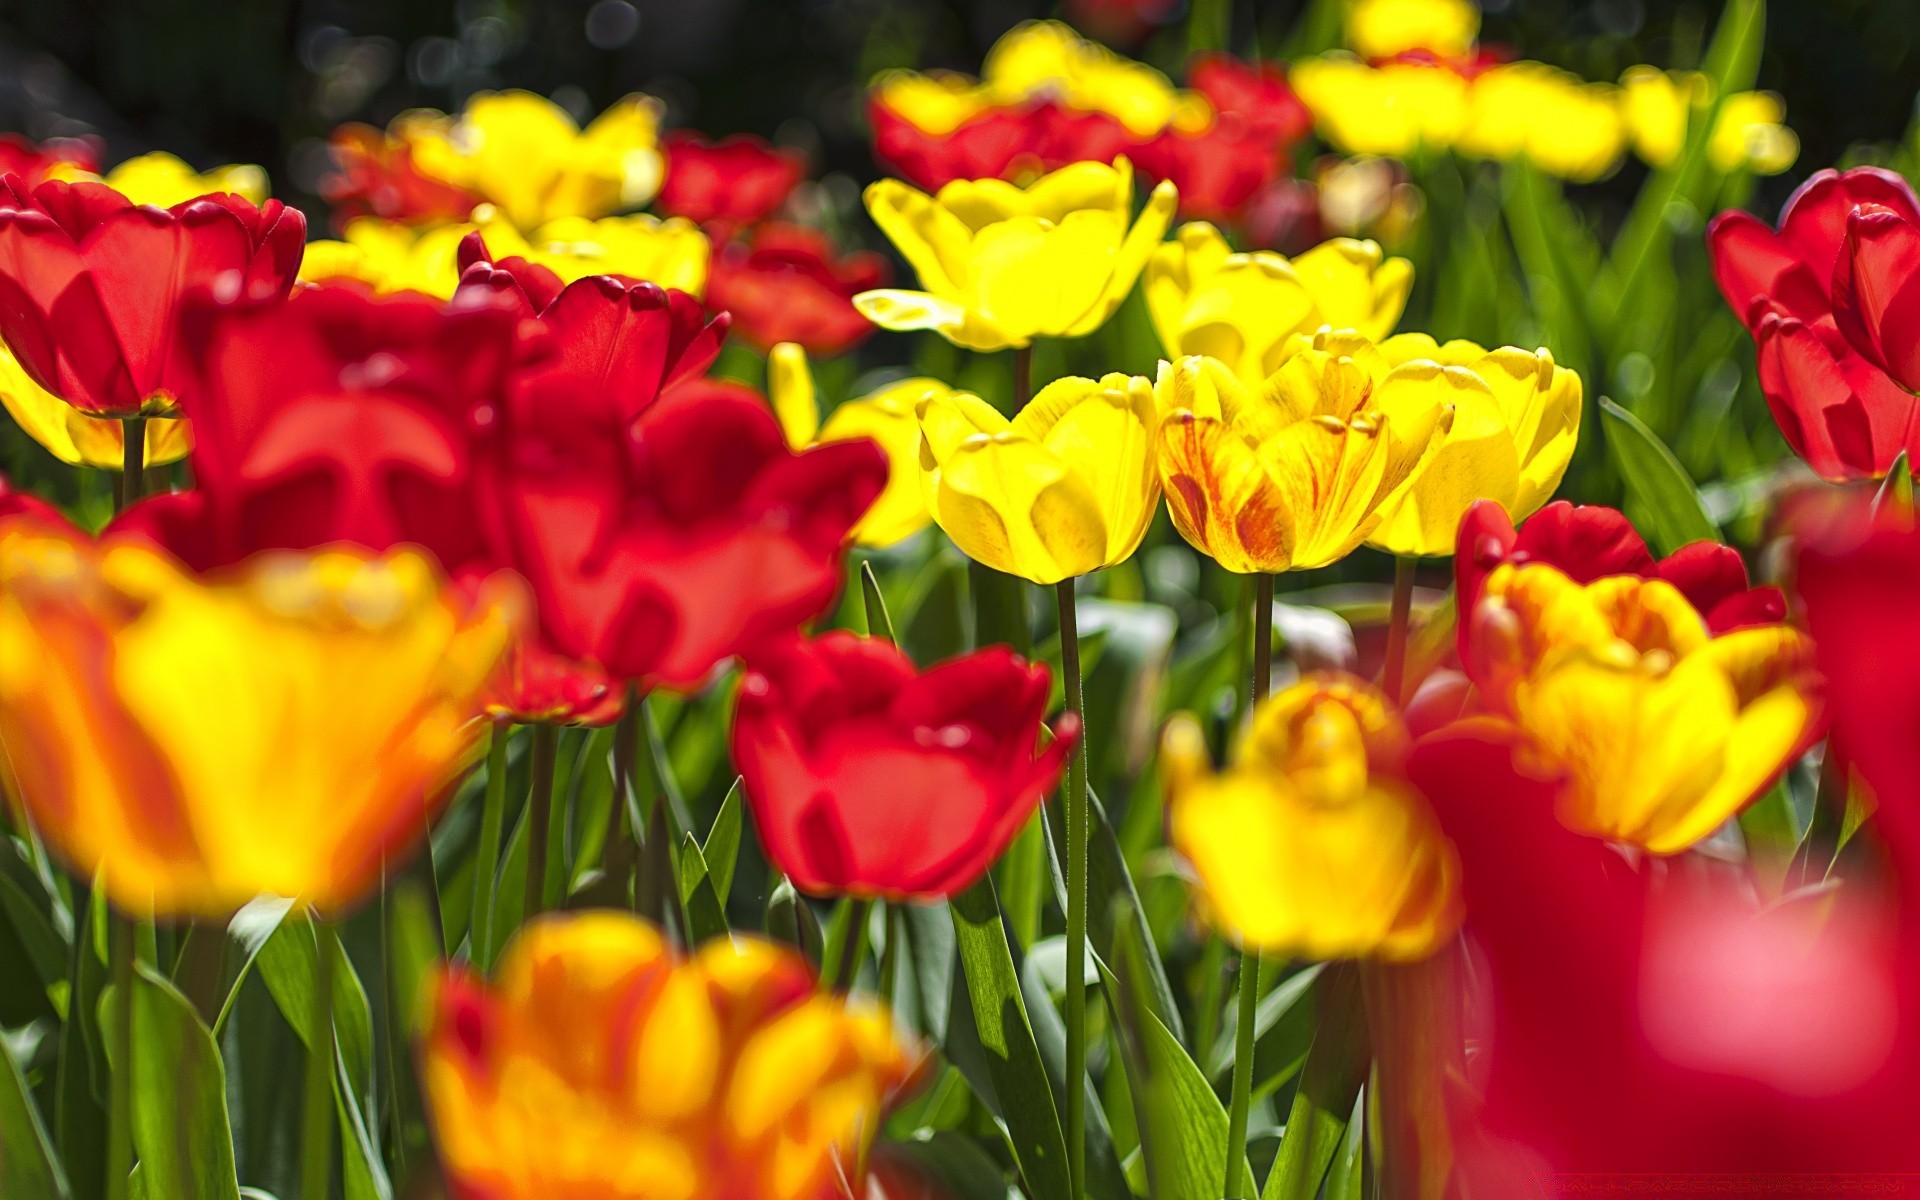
(1896, 492)
(1042, 978)
(936, 621)
(80, 1120)
(964, 1171)
(412, 960)
(929, 944)
(1344, 1181)
(1336, 1067)
(705, 917)
(1013, 1061)
(999, 609)
(1669, 502)
(27, 1165)
(181, 1130)
(790, 919)
(251, 928)
(1283, 1033)
(41, 925)
(879, 624)
(722, 850)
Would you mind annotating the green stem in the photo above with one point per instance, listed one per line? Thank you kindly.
(133, 459)
(546, 744)
(853, 943)
(201, 966)
(1262, 681)
(316, 1143)
(120, 934)
(1076, 971)
(1393, 678)
(619, 855)
(1239, 1184)
(486, 858)
(889, 954)
(1022, 376)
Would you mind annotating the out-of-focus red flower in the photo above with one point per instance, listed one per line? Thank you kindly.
(1284, 216)
(1589, 542)
(1707, 1034)
(1876, 301)
(33, 160)
(788, 285)
(19, 504)
(91, 285)
(374, 175)
(661, 519)
(1256, 93)
(869, 778)
(1218, 170)
(734, 182)
(1832, 400)
(1003, 142)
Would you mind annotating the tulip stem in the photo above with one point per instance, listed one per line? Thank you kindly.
(1076, 970)
(546, 745)
(1393, 677)
(1022, 376)
(853, 942)
(1239, 1184)
(316, 1145)
(120, 936)
(1262, 681)
(133, 461)
(486, 858)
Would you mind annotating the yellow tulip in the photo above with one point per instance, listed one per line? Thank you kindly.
(1047, 58)
(1003, 264)
(1066, 487)
(1566, 126)
(1297, 471)
(936, 103)
(282, 728)
(1384, 28)
(1516, 418)
(163, 181)
(1244, 309)
(1312, 844)
(73, 437)
(392, 256)
(1395, 110)
(601, 1063)
(528, 157)
(1664, 731)
(889, 417)
(1749, 134)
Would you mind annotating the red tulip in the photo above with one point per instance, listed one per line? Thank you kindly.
(1875, 303)
(1000, 143)
(1636, 1020)
(736, 181)
(374, 175)
(21, 504)
(91, 285)
(1256, 93)
(1589, 542)
(867, 777)
(1218, 170)
(33, 160)
(663, 528)
(788, 286)
(1829, 391)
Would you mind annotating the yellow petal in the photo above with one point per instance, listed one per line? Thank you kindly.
(1220, 496)
(888, 418)
(926, 232)
(1475, 460)
(1355, 286)
(1132, 257)
(1105, 432)
(1030, 277)
(1010, 504)
(1542, 406)
(790, 388)
(73, 437)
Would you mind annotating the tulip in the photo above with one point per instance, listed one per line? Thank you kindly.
(389, 256)
(1564, 125)
(1049, 58)
(991, 141)
(528, 157)
(1298, 472)
(1516, 417)
(91, 285)
(73, 437)
(146, 713)
(1709, 1034)
(602, 1063)
(1872, 303)
(374, 176)
(1664, 731)
(1748, 136)
(790, 285)
(661, 519)
(163, 181)
(1256, 93)
(36, 162)
(889, 418)
(1217, 170)
(737, 181)
(1003, 265)
(1589, 542)
(1065, 488)
(1244, 309)
(871, 779)
(1837, 408)
(15, 504)
(1311, 843)
(1384, 28)
(1394, 110)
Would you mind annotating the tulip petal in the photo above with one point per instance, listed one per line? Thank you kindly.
(1220, 497)
(928, 235)
(1032, 277)
(1106, 431)
(1011, 504)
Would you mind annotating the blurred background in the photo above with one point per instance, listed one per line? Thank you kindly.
(263, 81)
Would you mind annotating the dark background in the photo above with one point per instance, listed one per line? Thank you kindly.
(264, 80)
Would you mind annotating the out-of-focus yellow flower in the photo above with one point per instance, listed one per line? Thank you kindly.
(601, 1064)
(1394, 110)
(1516, 418)
(1566, 126)
(1384, 28)
(936, 103)
(1003, 264)
(1244, 309)
(163, 181)
(1048, 58)
(1066, 487)
(1312, 844)
(393, 256)
(1297, 471)
(529, 158)
(73, 437)
(890, 417)
(1663, 730)
(281, 728)
(1750, 132)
